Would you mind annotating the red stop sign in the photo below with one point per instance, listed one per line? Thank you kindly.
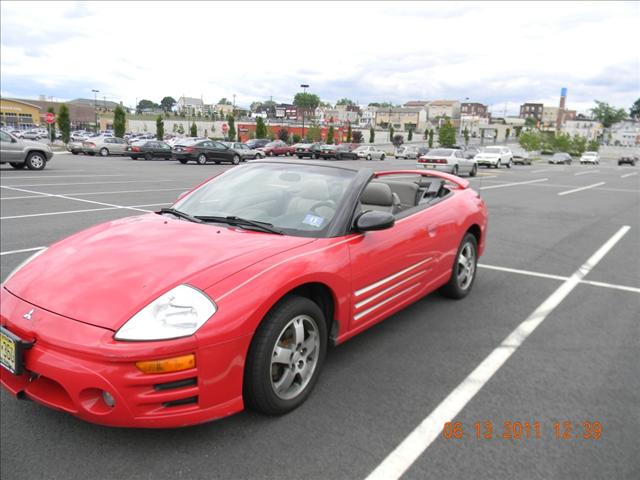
(225, 128)
(50, 117)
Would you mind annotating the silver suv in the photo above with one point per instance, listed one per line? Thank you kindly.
(23, 153)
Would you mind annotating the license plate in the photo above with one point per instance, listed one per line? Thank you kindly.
(11, 349)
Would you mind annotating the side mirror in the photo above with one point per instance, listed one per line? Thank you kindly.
(374, 220)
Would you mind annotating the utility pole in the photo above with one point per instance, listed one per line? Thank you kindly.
(304, 89)
(95, 107)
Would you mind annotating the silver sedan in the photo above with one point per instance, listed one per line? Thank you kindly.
(448, 160)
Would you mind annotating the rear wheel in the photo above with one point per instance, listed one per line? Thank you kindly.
(202, 159)
(463, 272)
(454, 171)
(368, 157)
(148, 156)
(285, 356)
(74, 152)
(236, 159)
(35, 161)
(382, 157)
(509, 164)
(498, 163)
(474, 170)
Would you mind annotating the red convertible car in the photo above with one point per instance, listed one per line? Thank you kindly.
(229, 298)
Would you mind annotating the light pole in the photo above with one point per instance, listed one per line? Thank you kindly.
(95, 107)
(304, 90)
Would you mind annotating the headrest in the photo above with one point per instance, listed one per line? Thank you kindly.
(377, 194)
(315, 190)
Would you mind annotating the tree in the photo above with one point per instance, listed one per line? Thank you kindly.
(194, 130)
(608, 115)
(517, 129)
(306, 101)
(530, 122)
(357, 137)
(447, 135)
(634, 111)
(296, 138)
(465, 133)
(283, 134)
(146, 105)
(593, 146)
(345, 101)
(431, 138)
(167, 103)
(372, 135)
(562, 143)
(232, 127)
(159, 128)
(397, 140)
(410, 135)
(330, 135)
(52, 130)
(313, 133)
(578, 145)
(530, 141)
(64, 123)
(261, 128)
(180, 129)
(391, 130)
(349, 134)
(119, 121)
(224, 101)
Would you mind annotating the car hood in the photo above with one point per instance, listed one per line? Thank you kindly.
(487, 155)
(104, 275)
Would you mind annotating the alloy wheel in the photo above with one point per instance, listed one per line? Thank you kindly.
(466, 266)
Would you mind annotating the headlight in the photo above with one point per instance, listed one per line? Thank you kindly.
(178, 313)
(32, 257)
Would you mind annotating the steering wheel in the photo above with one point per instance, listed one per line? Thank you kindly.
(327, 203)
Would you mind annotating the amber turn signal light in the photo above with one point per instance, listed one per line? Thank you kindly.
(166, 365)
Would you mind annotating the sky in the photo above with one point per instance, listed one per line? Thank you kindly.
(497, 53)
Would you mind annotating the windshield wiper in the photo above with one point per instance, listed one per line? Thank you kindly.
(241, 222)
(180, 214)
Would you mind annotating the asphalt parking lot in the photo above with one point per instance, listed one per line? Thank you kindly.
(579, 362)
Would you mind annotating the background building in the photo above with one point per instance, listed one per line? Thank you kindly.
(473, 109)
(18, 114)
(402, 118)
(589, 129)
(444, 108)
(531, 110)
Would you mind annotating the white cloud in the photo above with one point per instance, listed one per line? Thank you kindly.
(490, 52)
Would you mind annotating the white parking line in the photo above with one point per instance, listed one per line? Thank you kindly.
(414, 445)
(130, 207)
(72, 198)
(70, 176)
(540, 171)
(529, 273)
(586, 172)
(567, 192)
(628, 175)
(100, 193)
(514, 183)
(24, 250)
(84, 183)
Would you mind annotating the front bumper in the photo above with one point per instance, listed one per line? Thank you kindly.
(71, 363)
(487, 161)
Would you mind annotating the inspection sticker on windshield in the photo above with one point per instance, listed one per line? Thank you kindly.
(313, 220)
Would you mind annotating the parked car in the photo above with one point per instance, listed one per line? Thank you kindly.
(75, 147)
(339, 152)
(105, 146)
(21, 153)
(78, 136)
(230, 298)
(560, 157)
(410, 152)
(203, 151)
(277, 148)
(524, 157)
(630, 159)
(448, 160)
(256, 143)
(245, 152)
(311, 150)
(148, 149)
(33, 135)
(470, 152)
(494, 157)
(590, 157)
(369, 152)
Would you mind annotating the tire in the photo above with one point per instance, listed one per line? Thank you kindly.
(382, 157)
(18, 166)
(498, 163)
(509, 164)
(299, 157)
(202, 159)
(287, 154)
(183, 161)
(148, 156)
(314, 156)
(36, 161)
(263, 370)
(104, 152)
(369, 157)
(474, 170)
(454, 171)
(463, 275)
(74, 152)
(236, 160)
(91, 154)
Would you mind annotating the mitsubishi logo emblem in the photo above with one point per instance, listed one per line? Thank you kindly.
(27, 315)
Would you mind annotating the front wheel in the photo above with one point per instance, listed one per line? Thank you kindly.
(463, 272)
(474, 170)
(454, 170)
(36, 161)
(369, 157)
(236, 159)
(202, 159)
(285, 356)
(382, 157)
(498, 164)
(509, 164)
(74, 152)
(104, 152)
(148, 156)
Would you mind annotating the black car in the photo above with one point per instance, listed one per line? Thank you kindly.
(149, 149)
(631, 160)
(257, 143)
(339, 152)
(311, 150)
(203, 151)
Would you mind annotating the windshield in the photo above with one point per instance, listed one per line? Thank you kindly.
(299, 200)
(443, 152)
(492, 150)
